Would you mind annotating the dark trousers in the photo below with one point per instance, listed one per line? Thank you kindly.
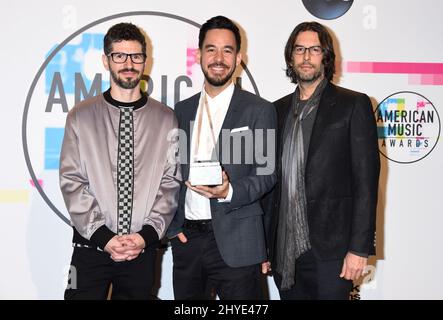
(199, 271)
(93, 271)
(316, 280)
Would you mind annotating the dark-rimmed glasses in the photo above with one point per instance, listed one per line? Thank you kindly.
(121, 57)
(314, 50)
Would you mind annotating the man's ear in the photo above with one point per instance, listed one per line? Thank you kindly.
(238, 59)
(198, 56)
(105, 62)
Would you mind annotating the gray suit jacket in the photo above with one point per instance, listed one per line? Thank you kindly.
(238, 225)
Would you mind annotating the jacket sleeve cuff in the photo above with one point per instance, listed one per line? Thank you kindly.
(149, 234)
(360, 254)
(101, 236)
(172, 233)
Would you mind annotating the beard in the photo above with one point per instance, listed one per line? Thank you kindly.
(218, 81)
(310, 77)
(128, 83)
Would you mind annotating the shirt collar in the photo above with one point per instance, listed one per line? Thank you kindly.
(224, 97)
(136, 104)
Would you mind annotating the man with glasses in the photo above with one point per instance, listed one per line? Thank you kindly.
(118, 177)
(324, 204)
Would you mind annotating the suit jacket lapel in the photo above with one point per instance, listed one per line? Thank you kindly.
(234, 107)
(189, 114)
(228, 123)
(325, 107)
(283, 112)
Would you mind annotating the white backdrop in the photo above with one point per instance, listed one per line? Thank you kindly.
(399, 43)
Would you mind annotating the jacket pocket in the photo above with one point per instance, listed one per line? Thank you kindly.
(336, 125)
(248, 211)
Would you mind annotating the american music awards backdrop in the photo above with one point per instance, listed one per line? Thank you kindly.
(51, 59)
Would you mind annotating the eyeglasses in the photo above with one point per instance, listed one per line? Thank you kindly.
(120, 57)
(314, 50)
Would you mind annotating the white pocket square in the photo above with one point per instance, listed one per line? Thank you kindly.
(239, 129)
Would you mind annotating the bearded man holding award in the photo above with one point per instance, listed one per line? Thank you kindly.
(217, 235)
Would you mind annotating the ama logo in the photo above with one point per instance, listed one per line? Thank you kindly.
(72, 71)
(408, 127)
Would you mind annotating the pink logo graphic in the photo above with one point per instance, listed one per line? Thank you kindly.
(191, 59)
(40, 182)
(418, 73)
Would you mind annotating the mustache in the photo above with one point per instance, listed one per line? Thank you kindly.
(218, 65)
(129, 70)
(306, 64)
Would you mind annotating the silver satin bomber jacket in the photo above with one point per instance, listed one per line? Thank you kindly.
(88, 166)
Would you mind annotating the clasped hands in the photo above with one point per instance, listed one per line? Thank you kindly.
(126, 247)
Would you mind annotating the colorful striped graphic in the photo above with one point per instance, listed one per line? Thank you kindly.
(418, 73)
(191, 59)
(399, 104)
(14, 196)
(53, 146)
(40, 182)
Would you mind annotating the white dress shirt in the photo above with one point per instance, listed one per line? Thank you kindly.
(198, 207)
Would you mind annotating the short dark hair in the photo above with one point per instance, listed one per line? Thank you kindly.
(325, 42)
(219, 22)
(123, 31)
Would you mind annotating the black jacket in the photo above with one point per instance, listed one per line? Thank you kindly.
(341, 175)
